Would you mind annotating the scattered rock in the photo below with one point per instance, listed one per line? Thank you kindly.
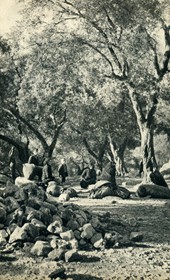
(41, 248)
(96, 237)
(56, 227)
(57, 254)
(19, 233)
(67, 235)
(64, 197)
(88, 231)
(72, 255)
(2, 215)
(53, 189)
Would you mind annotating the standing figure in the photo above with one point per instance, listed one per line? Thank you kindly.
(62, 170)
(34, 158)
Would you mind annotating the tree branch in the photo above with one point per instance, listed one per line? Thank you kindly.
(136, 105)
(161, 72)
(57, 132)
(16, 114)
(153, 107)
(113, 74)
(101, 32)
(86, 144)
(112, 146)
(102, 150)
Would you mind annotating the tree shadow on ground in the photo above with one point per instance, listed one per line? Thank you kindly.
(7, 258)
(84, 277)
(134, 245)
(87, 259)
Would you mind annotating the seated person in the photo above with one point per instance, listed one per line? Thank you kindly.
(47, 172)
(157, 178)
(88, 176)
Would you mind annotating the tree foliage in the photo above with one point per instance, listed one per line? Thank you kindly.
(97, 65)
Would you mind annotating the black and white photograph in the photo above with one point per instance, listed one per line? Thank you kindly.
(84, 139)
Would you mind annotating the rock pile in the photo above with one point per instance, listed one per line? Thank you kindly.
(29, 216)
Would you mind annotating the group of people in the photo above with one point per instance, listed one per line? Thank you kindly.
(47, 174)
(90, 176)
(104, 182)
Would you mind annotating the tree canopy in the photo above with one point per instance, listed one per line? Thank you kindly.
(83, 69)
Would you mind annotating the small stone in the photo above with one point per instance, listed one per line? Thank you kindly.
(73, 244)
(67, 235)
(88, 231)
(3, 234)
(56, 254)
(72, 224)
(77, 234)
(72, 255)
(41, 248)
(64, 197)
(96, 237)
(18, 234)
(3, 242)
(38, 224)
(55, 227)
(99, 244)
(54, 242)
(2, 215)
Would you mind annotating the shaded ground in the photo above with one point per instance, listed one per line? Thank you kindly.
(149, 259)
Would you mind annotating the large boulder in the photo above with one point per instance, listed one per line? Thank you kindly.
(30, 171)
(22, 181)
(53, 189)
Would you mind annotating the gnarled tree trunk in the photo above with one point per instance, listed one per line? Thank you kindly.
(146, 127)
(117, 155)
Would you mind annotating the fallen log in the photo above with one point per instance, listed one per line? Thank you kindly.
(153, 190)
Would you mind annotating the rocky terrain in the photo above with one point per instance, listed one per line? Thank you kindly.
(108, 238)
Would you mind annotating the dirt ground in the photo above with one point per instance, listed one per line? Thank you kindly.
(149, 259)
